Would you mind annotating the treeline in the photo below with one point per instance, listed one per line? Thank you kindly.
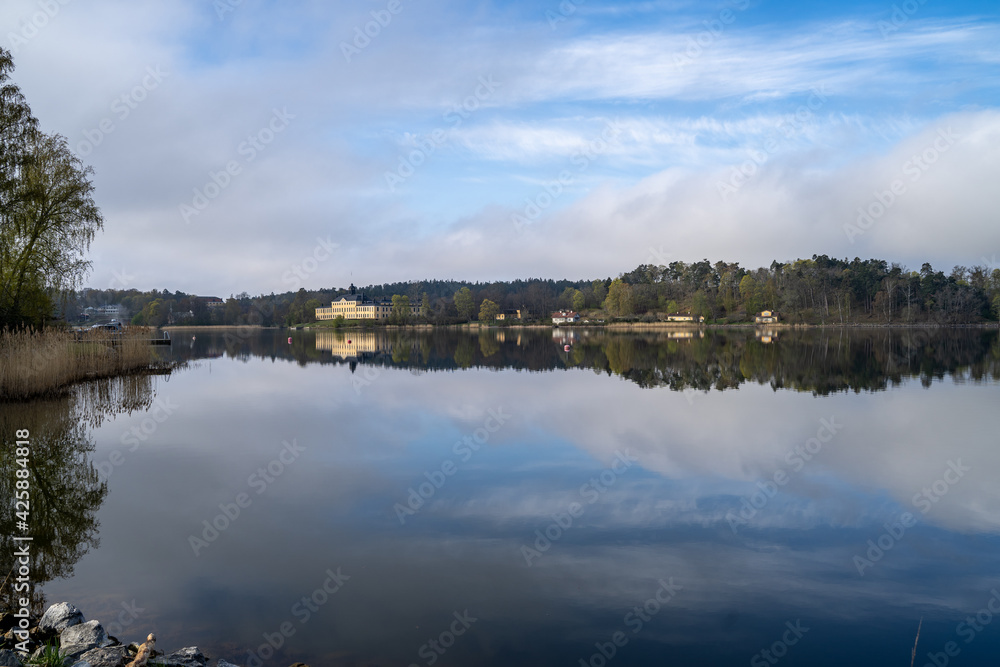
(160, 308)
(819, 290)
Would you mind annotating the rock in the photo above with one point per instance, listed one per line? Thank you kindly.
(186, 657)
(9, 659)
(60, 616)
(78, 639)
(41, 636)
(223, 663)
(82, 663)
(105, 657)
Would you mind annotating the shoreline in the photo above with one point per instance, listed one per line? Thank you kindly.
(606, 325)
(82, 642)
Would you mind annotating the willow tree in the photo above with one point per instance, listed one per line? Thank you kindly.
(48, 217)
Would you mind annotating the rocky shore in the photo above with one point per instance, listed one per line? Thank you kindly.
(83, 643)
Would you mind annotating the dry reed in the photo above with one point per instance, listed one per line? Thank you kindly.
(37, 363)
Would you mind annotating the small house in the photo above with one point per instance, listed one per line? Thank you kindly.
(565, 317)
(684, 317)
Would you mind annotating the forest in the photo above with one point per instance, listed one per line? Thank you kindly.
(819, 290)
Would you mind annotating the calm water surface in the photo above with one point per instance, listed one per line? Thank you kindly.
(456, 499)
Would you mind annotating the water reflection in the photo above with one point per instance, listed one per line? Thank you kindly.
(66, 490)
(813, 360)
(756, 501)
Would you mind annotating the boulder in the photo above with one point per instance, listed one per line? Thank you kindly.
(224, 663)
(78, 639)
(110, 656)
(9, 659)
(186, 657)
(60, 616)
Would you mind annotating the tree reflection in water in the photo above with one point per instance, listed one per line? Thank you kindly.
(65, 488)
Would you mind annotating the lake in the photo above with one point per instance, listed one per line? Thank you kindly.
(535, 497)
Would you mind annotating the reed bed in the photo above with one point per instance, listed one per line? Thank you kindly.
(39, 363)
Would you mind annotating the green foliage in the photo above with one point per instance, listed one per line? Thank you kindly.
(700, 306)
(488, 311)
(46, 229)
(50, 656)
(619, 302)
(464, 303)
(309, 310)
(400, 308)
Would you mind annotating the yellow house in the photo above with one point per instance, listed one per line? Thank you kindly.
(767, 317)
(684, 317)
(518, 314)
(356, 306)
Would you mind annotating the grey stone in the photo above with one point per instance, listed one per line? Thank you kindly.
(111, 656)
(9, 659)
(82, 663)
(60, 616)
(186, 657)
(80, 638)
(223, 663)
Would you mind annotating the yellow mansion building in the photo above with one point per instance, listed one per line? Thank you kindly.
(357, 306)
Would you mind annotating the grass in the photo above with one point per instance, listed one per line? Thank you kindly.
(49, 657)
(38, 363)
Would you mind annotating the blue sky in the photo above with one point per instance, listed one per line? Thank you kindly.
(494, 140)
